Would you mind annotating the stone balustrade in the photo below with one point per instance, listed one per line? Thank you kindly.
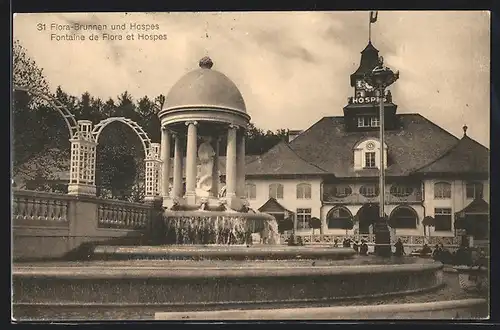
(115, 214)
(40, 209)
(48, 225)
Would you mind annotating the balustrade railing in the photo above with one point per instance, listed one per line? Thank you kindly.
(370, 238)
(40, 208)
(122, 215)
(357, 198)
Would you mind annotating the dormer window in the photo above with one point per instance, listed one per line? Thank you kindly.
(370, 160)
(367, 154)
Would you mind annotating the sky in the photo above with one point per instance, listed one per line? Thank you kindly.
(292, 68)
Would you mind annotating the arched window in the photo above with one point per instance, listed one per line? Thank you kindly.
(341, 191)
(442, 190)
(303, 191)
(369, 190)
(276, 191)
(401, 190)
(474, 190)
(404, 217)
(251, 190)
(337, 218)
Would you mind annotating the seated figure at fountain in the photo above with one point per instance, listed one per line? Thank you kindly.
(206, 155)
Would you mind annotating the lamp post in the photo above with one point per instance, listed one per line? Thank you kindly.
(380, 78)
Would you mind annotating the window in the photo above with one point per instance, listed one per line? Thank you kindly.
(474, 190)
(303, 217)
(401, 191)
(442, 219)
(363, 121)
(370, 160)
(250, 191)
(276, 191)
(341, 191)
(374, 122)
(303, 191)
(370, 190)
(442, 190)
(404, 217)
(338, 217)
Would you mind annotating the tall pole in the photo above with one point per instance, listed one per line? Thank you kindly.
(382, 153)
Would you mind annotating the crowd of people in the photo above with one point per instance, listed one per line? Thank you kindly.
(464, 255)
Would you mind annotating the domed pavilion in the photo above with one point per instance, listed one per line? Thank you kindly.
(201, 108)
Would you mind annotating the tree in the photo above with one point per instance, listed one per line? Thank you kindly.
(37, 127)
(347, 224)
(428, 221)
(315, 223)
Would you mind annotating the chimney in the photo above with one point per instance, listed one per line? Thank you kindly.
(292, 134)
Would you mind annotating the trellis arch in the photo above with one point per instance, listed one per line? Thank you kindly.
(145, 140)
(68, 117)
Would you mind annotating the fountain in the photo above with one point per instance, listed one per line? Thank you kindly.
(205, 259)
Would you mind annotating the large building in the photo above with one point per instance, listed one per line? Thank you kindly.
(330, 171)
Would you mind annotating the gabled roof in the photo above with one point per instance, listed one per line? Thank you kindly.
(329, 146)
(272, 205)
(477, 206)
(466, 156)
(282, 160)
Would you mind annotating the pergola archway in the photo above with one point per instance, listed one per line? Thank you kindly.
(83, 157)
(68, 117)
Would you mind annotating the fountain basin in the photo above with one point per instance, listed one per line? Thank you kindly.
(176, 285)
(217, 252)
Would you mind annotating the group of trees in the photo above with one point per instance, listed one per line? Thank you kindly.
(41, 139)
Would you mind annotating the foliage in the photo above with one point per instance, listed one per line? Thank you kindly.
(315, 223)
(285, 224)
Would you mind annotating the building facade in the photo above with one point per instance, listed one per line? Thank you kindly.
(330, 171)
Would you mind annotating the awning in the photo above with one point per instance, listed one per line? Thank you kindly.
(477, 207)
(273, 206)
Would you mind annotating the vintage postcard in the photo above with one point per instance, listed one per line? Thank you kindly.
(250, 165)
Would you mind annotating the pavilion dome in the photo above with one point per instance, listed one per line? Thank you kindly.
(204, 88)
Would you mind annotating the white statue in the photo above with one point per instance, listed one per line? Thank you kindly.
(206, 155)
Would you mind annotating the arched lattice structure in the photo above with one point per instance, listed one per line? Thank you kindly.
(83, 157)
(145, 140)
(54, 103)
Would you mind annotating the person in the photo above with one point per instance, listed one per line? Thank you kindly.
(426, 250)
(355, 246)
(364, 248)
(400, 250)
(335, 243)
(437, 253)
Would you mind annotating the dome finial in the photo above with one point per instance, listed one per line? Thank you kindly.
(465, 130)
(206, 63)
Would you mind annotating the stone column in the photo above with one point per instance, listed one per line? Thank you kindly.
(165, 158)
(191, 150)
(241, 165)
(177, 188)
(231, 170)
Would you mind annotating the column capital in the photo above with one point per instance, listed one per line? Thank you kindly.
(194, 122)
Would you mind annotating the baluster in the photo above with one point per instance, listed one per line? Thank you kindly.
(105, 215)
(51, 209)
(127, 214)
(134, 218)
(30, 210)
(17, 208)
(64, 211)
(100, 215)
(115, 216)
(41, 210)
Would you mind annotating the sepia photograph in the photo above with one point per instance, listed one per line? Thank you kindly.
(217, 166)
